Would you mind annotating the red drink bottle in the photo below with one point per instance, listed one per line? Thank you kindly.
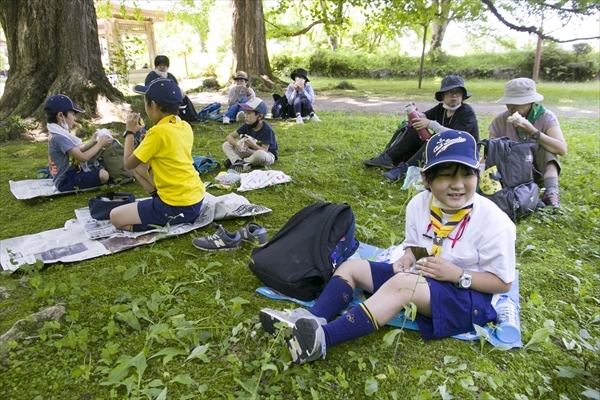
(411, 112)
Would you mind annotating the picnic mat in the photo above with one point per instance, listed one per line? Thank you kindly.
(76, 243)
(372, 253)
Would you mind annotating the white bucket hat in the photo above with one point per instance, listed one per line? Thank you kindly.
(520, 91)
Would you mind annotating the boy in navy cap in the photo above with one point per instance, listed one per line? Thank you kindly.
(167, 151)
(471, 247)
(258, 146)
(66, 151)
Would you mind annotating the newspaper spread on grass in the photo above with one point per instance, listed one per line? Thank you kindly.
(74, 242)
(32, 188)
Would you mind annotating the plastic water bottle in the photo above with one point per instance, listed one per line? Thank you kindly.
(411, 112)
(508, 330)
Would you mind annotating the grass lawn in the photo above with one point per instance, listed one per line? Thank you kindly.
(186, 325)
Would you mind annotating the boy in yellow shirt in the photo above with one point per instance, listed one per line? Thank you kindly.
(167, 150)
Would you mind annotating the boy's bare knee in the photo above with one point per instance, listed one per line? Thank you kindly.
(104, 176)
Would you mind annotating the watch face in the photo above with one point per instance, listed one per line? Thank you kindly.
(465, 280)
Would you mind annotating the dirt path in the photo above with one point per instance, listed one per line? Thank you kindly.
(390, 106)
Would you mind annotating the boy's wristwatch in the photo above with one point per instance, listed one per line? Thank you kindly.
(128, 133)
(464, 282)
(536, 135)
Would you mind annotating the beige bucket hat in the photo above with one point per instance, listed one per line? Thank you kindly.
(520, 91)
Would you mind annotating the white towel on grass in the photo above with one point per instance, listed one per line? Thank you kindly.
(259, 179)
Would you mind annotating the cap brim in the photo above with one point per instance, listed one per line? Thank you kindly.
(141, 89)
(463, 161)
(77, 109)
(246, 107)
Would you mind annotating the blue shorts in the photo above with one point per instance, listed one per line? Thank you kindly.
(154, 211)
(453, 310)
(80, 180)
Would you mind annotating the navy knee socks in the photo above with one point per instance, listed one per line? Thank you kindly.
(357, 322)
(335, 297)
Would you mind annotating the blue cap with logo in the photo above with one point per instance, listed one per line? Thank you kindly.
(163, 91)
(255, 104)
(60, 103)
(451, 146)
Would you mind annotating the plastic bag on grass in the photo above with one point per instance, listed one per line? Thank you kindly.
(413, 178)
(228, 178)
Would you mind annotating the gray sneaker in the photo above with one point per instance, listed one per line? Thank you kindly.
(268, 319)
(254, 233)
(241, 117)
(307, 342)
(241, 166)
(222, 240)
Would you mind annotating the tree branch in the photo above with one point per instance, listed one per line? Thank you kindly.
(529, 29)
(297, 33)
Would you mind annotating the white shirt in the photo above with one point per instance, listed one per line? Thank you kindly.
(486, 245)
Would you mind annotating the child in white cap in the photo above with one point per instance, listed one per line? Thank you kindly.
(253, 143)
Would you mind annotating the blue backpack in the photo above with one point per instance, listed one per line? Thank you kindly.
(206, 164)
(301, 258)
(211, 112)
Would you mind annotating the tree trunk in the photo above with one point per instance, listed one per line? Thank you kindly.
(438, 27)
(422, 55)
(53, 48)
(333, 42)
(438, 31)
(249, 42)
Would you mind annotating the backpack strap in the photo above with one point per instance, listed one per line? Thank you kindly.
(321, 251)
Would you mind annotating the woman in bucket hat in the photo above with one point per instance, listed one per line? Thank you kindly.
(525, 120)
(239, 93)
(450, 113)
(300, 96)
(468, 247)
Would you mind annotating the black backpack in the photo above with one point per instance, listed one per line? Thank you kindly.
(518, 195)
(187, 112)
(301, 258)
(280, 107)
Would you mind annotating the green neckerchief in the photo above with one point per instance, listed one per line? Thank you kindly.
(534, 113)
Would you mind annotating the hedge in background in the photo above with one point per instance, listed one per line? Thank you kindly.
(557, 65)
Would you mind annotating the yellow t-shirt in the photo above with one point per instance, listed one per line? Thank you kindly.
(167, 148)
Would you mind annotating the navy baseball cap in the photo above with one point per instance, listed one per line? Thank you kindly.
(60, 103)
(163, 91)
(255, 104)
(451, 146)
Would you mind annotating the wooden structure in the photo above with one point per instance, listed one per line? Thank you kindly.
(118, 33)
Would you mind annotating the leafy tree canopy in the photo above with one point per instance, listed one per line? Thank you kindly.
(517, 15)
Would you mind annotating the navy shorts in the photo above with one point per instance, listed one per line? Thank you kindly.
(154, 211)
(453, 310)
(80, 180)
